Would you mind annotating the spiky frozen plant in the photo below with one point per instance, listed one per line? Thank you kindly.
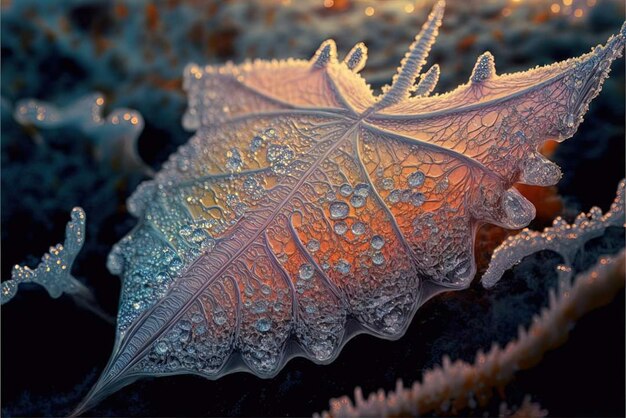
(54, 270)
(563, 238)
(455, 386)
(527, 409)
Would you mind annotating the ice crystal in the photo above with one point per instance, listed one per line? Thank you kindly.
(218, 270)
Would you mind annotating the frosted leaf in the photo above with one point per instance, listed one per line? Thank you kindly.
(54, 270)
(563, 238)
(282, 277)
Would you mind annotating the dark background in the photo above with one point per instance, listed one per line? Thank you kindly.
(57, 51)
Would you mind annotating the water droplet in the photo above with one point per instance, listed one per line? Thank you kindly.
(416, 179)
(341, 227)
(279, 157)
(362, 190)
(183, 164)
(310, 309)
(198, 236)
(173, 335)
(518, 210)
(339, 210)
(185, 336)
(184, 325)
(358, 228)
(345, 190)
(259, 306)
(263, 325)
(185, 230)
(161, 347)
(270, 133)
(256, 143)
(343, 266)
(313, 245)
(378, 258)
(197, 318)
(266, 290)
(418, 199)
(306, 271)
(219, 317)
(387, 183)
(377, 242)
(233, 160)
(357, 201)
(394, 196)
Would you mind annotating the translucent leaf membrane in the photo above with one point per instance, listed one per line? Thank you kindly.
(305, 210)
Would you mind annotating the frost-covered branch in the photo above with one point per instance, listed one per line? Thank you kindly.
(457, 385)
(114, 138)
(527, 409)
(562, 238)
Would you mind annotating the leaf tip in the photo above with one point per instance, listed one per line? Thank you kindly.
(484, 69)
(325, 54)
(356, 58)
(427, 82)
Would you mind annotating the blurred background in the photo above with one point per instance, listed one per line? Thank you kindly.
(134, 52)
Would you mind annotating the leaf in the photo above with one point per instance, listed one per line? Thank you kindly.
(306, 210)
